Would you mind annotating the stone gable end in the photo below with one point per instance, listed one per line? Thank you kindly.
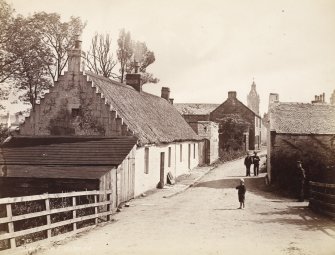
(74, 107)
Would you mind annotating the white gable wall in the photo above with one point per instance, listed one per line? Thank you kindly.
(146, 181)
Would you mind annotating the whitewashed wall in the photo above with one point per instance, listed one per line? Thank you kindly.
(146, 181)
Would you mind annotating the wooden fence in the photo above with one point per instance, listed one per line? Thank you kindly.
(322, 198)
(10, 219)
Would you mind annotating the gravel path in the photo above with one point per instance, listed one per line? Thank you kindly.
(205, 220)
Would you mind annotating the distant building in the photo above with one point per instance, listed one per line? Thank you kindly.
(253, 99)
(332, 98)
(319, 99)
(304, 132)
(232, 107)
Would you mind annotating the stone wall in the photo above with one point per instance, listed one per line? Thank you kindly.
(317, 152)
(210, 131)
(73, 107)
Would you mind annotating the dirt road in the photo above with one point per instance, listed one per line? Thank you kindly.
(205, 220)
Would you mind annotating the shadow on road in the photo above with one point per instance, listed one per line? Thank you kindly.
(255, 185)
(303, 217)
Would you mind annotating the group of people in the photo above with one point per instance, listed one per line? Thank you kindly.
(249, 160)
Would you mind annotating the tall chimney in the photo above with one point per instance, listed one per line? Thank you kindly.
(273, 98)
(165, 93)
(323, 97)
(231, 94)
(134, 80)
(74, 62)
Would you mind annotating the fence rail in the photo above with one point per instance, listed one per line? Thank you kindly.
(10, 219)
(322, 198)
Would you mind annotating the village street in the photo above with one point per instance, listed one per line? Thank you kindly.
(205, 220)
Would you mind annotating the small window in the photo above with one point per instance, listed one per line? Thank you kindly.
(75, 112)
(181, 153)
(169, 159)
(146, 160)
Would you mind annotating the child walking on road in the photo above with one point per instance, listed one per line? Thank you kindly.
(241, 193)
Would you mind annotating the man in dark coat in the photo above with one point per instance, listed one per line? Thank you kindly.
(255, 161)
(301, 181)
(247, 163)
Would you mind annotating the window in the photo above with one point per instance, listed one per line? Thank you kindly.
(194, 150)
(181, 153)
(75, 112)
(146, 160)
(169, 157)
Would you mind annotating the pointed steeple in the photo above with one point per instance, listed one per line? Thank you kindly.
(253, 98)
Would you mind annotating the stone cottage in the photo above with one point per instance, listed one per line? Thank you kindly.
(85, 105)
(234, 108)
(300, 131)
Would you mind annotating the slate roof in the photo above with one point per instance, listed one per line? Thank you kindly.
(299, 118)
(63, 157)
(195, 109)
(152, 119)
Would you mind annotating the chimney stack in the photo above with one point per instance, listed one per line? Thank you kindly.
(273, 98)
(74, 63)
(231, 94)
(165, 93)
(134, 80)
(323, 97)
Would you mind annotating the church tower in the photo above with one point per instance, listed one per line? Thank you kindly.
(253, 98)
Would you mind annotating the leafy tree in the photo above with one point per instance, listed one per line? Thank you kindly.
(34, 58)
(7, 60)
(124, 52)
(100, 59)
(59, 37)
(143, 58)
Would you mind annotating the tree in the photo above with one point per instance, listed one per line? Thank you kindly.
(143, 57)
(100, 59)
(7, 60)
(34, 59)
(59, 37)
(124, 52)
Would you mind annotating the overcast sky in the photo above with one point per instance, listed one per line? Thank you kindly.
(205, 48)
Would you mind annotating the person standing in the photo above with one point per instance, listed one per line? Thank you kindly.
(241, 193)
(247, 163)
(255, 161)
(301, 181)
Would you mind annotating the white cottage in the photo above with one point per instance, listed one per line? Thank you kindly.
(83, 104)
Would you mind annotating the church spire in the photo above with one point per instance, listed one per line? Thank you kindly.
(253, 98)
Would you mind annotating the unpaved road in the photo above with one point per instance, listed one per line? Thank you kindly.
(205, 220)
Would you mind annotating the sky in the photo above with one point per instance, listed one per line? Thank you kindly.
(205, 48)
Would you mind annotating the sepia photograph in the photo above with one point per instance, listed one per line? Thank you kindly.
(167, 127)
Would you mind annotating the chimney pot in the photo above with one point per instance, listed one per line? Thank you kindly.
(165, 93)
(171, 100)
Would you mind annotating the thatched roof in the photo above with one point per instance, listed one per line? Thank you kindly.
(152, 119)
(195, 109)
(299, 118)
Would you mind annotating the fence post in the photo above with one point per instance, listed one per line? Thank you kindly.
(96, 209)
(109, 206)
(10, 225)
(74, 212)
(47, 208)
